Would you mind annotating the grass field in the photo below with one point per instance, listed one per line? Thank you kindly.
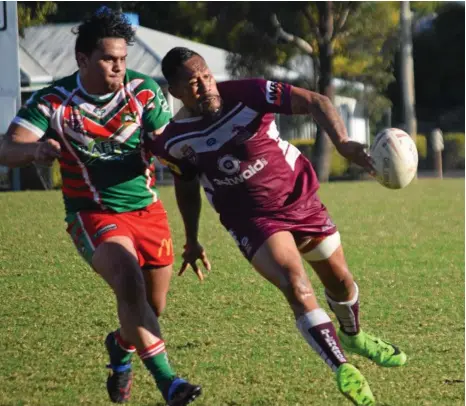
(234, 333)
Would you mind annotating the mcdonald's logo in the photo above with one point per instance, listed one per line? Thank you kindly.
(166, 244)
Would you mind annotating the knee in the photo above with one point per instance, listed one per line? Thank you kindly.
(116, 262)
(130, 288)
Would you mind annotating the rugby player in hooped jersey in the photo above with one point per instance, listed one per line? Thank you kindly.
(265, 193)
(96, 120)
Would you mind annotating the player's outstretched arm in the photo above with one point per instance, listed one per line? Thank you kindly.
(20, 147)
(188, 197)
(323, 111)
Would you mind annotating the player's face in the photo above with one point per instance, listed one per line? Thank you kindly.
(196, 88)
(104, 70)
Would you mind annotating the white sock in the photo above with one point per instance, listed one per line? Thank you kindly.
(347, 312)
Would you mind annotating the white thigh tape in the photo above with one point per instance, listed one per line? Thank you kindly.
(325, 249)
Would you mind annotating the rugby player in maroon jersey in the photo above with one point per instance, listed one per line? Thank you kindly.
(265, 192)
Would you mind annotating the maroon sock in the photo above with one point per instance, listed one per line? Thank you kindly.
(319, 332)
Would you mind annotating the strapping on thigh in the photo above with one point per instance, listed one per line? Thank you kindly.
(319, 248)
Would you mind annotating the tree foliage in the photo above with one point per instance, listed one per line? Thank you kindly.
(34, 13)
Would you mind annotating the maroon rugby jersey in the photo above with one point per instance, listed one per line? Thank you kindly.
(243, 164)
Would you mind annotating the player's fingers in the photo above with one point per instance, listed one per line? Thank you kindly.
(183, 268)
(54, 143)
(370, 163)
(206, 263)
(53, 151)
(367, 160)
(200, 275)
(197, 270)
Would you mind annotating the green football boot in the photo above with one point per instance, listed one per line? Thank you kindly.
(354, 386)
(382, 353)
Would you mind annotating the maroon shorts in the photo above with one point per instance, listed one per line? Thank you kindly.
(310, 219)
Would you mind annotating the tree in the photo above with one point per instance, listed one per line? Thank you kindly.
(438, 51)
(348, 39)
(34, 13)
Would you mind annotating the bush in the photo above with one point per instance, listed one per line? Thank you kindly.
(421, 145)
(453, 154)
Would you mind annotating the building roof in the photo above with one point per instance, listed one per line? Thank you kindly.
(47, 53)
(31, 71)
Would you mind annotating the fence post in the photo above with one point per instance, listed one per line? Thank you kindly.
(437, 147)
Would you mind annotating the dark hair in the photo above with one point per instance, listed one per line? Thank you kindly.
(104, 23)
(174, 59)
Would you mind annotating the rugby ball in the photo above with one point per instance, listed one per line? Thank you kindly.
(395, 158)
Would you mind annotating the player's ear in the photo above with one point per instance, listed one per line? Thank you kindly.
(82, 60)
(175, 91)
(172, 89)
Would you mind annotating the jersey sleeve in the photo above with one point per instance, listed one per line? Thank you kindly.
(262, 95)
(181, 168)
(35, 114)
(156, 113)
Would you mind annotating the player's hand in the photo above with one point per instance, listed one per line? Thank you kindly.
(356, 152)
(46, 152)
(192, 253)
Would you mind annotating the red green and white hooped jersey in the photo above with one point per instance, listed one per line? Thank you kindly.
(103, 163)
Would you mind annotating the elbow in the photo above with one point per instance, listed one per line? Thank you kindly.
(324, 102)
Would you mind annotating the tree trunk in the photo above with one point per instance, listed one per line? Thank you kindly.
(322, 148)
(407, 71)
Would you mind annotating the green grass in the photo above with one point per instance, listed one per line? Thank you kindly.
(234, 333)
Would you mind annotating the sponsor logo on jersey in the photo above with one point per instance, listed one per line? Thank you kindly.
(104, 148)
(128, 118)
(99, 111)
(274, 93)
(228, 164)
(189, 153)
(211, 141)
(162, 101)
(248, 173)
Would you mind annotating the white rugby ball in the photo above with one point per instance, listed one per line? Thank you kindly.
(395, 158)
